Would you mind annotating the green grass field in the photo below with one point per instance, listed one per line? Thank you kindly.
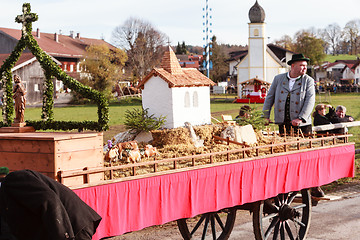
(219, 105)
(331, 58)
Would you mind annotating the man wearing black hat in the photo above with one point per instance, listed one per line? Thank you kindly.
(293, 96)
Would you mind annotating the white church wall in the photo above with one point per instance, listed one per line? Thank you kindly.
(157, 97)
(288, 56)
(243, 70)
(256, 58)
(273, 68)
(257, 51)
(191, 104)
(257, 30)
(243, 74)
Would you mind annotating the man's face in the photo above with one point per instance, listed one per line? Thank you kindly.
(340, 113)
(298, 68)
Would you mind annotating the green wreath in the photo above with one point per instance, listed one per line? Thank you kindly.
(52, 70)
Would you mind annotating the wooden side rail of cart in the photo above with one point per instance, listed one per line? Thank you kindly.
(240, 154)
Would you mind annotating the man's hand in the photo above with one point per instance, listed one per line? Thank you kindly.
(267, 121)
(296, 122)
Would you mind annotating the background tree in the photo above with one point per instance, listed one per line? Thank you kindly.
(178, 49)
(285, 42)
(181, 49)
(218, 57)
(332, 34)
(310, 46)
(143, 45)
(351, 34)
(344, 47)
(104, 67)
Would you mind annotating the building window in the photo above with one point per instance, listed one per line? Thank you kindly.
(36, 87)
(256, 32)
(187, 100)
(196, 99)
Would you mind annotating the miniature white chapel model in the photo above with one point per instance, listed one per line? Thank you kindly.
(180, 94)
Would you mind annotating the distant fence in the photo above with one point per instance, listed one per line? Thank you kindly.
(341, 89)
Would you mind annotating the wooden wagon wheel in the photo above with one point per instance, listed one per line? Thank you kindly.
(219, 230)
(284, 215)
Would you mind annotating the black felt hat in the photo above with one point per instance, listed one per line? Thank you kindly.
(298, 57)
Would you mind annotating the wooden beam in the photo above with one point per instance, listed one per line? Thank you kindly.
(335, 126)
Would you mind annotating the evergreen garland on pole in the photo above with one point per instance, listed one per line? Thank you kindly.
(51, 70)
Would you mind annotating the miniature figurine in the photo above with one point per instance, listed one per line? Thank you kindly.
(20, 100)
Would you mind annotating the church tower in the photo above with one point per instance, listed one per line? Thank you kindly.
(257, 43)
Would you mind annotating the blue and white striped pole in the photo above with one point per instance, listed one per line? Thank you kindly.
(207, 47)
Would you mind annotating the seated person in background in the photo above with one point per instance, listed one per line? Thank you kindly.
(321, 117)
(340, 117)
(244, 112)
(36, 207)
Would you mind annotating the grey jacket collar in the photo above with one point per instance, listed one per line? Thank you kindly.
(297, 85)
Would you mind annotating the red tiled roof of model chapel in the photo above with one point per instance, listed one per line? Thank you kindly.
(171, 72)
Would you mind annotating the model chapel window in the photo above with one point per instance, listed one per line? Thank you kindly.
(256, 32)
(187, 100)
(195, 99)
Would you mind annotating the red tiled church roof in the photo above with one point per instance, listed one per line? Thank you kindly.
(175, 76)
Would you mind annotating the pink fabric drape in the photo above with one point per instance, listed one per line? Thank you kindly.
(132, 205)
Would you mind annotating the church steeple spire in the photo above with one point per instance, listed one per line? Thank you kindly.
(256, 13)
(257, 43)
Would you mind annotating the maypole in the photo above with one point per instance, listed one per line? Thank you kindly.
(207, 64)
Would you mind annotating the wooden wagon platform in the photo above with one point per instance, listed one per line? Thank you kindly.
(132, 203)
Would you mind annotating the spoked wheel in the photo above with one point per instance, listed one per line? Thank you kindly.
(286, 216)
(214, 225)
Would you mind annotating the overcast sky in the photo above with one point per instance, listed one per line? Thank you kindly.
(181, 20)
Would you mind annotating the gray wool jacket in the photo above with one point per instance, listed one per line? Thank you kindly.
(302, 99)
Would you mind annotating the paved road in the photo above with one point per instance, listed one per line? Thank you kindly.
(330, 220)
(337, 219)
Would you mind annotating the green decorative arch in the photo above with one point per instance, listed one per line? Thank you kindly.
(52, 70)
